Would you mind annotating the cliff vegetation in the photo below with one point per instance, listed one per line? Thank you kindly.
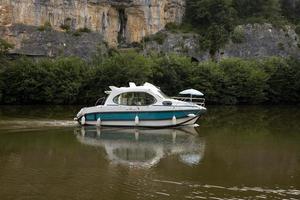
(216, 20)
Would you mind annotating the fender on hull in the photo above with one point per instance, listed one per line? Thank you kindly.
(145, 123)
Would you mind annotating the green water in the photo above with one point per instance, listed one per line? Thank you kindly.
(236, 153)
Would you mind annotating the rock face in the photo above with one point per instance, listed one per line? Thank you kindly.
(259, 41)
(119, 21)
(50, 43)
(262, 41)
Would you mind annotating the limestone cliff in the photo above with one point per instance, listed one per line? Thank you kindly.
(117, 20)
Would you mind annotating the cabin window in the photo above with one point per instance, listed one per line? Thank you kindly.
(134, 99)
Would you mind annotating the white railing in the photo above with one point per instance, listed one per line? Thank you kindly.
(198, 101)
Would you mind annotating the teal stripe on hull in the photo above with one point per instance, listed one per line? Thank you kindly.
(130, 116)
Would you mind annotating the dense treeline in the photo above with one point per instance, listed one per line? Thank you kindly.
(74, 81)
(215, 20)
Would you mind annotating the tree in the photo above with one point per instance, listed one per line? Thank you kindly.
(214, 20)
(256, 10)
(291, 10)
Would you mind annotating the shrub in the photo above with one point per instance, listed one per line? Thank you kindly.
(245, 81)
(84, 30)
(173, 27)
(174, 68)
(238, 35)
(158, 37)
(79, 31)
(280, 46)
(5, 46)
(65, 27)
(282, 81)
(46, 27)
(76, 34)
(74, 81)
(209, 78)
(43, 82)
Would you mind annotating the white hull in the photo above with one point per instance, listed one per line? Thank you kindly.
(149, 123)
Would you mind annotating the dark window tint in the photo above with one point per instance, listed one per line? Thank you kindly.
(134, 99)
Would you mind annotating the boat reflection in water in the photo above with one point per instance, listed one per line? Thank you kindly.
(145, 147)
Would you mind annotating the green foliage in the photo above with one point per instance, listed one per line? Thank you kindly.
(176, 69)
(43, 82)
(74, 81)
(158, 37)
(84, 30)
(117, 69)
(209, 78)
(238, 35)
(79, 31)
(232, 81)
(172, 27)
(4, 46)
(291, 10)
(280, 46)
(259, 10)
(46, 27)
(217, 37)
(214, 19)
(283, 81)
(65, 27)
(77, 34)
(245, 81)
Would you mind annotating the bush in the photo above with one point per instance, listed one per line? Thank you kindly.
(76, 34)
(118, 70)
(65, 27)
(280, 46)
(43, 82)
(46, 27)
(209, 78)
(84, 30)
(4, 46)
(74, 81)
(158, 37)
(283, 80)
(176, 69)
(245, 81)
(238, 35)
(79, 31)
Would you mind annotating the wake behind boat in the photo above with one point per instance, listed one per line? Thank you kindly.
(140, 106)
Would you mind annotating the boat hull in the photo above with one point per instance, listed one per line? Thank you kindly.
(142, 119)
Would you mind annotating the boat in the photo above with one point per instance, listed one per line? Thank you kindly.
(191, 95)
(144, 147)
(140, 106)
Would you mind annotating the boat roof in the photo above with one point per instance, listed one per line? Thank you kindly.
(133, 87)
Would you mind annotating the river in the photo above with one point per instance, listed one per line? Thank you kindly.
(247, 152)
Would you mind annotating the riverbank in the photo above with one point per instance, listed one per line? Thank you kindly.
(71, 80)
